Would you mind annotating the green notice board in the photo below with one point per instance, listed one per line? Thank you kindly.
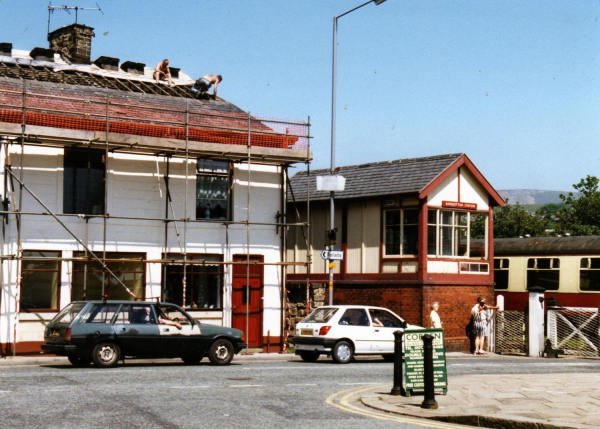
(414, 372)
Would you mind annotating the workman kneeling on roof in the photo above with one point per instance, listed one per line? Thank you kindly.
(205, 82)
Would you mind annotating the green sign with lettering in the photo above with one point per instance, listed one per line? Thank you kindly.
(414, 372)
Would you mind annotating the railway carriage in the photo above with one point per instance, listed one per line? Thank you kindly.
(567, 267)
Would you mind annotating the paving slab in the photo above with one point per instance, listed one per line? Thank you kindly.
(519, 401)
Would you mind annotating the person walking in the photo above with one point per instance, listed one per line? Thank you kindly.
(481, 316)
(436, 322)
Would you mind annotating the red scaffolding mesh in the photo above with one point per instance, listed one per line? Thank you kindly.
(92, 113)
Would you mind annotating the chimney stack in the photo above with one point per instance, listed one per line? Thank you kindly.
(73, 41)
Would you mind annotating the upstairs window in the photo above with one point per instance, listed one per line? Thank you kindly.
(589, 275)
(544, 272)
(83, 184)
(213, 187)
(401, 232)
(449, 234)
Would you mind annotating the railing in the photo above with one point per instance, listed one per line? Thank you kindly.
(115, 113)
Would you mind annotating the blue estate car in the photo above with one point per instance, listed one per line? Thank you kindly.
(105, 332)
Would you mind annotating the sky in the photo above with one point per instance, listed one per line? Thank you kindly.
(513, 84)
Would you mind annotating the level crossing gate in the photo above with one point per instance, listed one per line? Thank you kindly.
(574, 330)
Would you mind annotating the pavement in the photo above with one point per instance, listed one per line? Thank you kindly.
(522, 401)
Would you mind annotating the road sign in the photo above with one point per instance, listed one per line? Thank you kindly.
(333, 255)
(413, 360)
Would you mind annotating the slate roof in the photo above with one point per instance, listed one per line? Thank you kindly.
(403, 176)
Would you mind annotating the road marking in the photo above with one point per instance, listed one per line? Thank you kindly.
(344, 405)
(245, 385)
(189, 387)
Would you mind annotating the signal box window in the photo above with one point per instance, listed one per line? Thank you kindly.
(544, 272)
(41, 280)
(589, 275)
(401, 232)
(213, 186)
(83, 184)
(501, 266)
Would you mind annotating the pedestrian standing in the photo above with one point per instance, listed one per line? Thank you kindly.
(481, 316)
(436, 322)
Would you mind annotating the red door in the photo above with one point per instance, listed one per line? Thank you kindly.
(247, 300)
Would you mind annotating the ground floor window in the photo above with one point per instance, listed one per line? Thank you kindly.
(40, 281)
(89, 281)
(203, 281)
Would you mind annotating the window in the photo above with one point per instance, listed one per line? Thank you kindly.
(41, 280)
(543, 272)
(213, 189)
(449, 234)
(386, 318)
(401, 232)
(131, 273)
(101, 313)
(355, 317)
(589, 274)
(83, 187)
(204, 282)
(501, 266)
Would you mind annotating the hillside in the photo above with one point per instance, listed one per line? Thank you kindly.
(531, 196)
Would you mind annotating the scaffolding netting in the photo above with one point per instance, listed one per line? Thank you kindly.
(113, 113)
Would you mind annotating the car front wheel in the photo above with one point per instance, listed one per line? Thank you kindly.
(342, 352)
(221, 352)
(79, 361)
(309, 356)
(106, 355)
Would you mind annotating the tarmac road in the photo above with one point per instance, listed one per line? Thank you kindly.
(251, 393)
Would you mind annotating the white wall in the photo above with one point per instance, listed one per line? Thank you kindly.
(136, 188)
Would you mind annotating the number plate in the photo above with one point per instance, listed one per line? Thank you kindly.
(306, 332)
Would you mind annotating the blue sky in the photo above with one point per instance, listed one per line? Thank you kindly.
(513, 84)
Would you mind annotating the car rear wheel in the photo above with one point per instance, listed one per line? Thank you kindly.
(106, 355)
(221, 352)
(191, 360)
(342, 352)
(388, 357)
(79, 361)
(309, 356)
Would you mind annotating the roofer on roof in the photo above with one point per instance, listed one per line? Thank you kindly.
(205, 82)
(162, 72)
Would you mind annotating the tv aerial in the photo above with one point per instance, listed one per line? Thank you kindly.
(68, 9)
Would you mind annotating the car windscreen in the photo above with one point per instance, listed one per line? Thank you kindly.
(68, 313)
(320, 315)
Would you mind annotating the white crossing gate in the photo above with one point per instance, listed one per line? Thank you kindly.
(575, 330)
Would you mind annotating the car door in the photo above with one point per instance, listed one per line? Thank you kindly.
(173, 341)
(137, 331)
(384, 324)
(354, 324)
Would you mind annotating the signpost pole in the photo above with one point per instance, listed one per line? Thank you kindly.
(429, 401)
(398, 390)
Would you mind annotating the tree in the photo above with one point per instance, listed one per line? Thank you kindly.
(582, 215)
(513, 220)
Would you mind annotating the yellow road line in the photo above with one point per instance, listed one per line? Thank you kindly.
(348, 407)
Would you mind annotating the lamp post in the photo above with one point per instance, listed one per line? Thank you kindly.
(333, 107)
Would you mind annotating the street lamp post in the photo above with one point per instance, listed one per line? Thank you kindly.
(333, 107)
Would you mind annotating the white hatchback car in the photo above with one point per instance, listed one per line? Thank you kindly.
(342, 331)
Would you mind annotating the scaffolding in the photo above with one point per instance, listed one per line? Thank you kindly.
(115, 123)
